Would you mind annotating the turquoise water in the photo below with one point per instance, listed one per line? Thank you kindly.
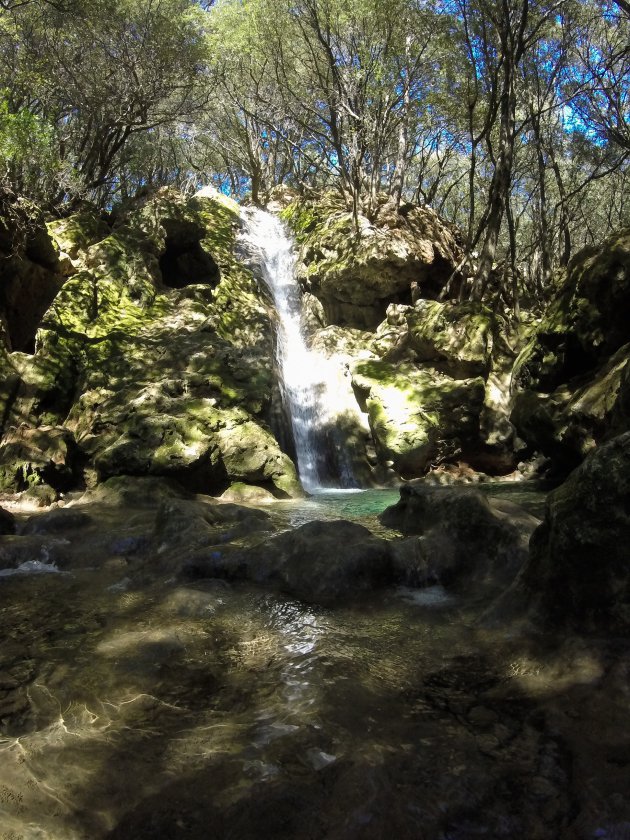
(365, 505)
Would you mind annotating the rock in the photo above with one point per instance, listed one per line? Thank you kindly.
(132, 492)
(30, 278)
(201, 450)
(157, 354)
(43, 455)
(568, 375)
(455, 337)
(571, 421)
(320, 562)
(411, 564)
(586, 322)
(417, 415)
(356, 277)
(74, 235)
(468, 541)
(7, 522)
(620, 419)
(578, 572)
(62, 519)
(184, 527)
(248, 494)
(25, 551)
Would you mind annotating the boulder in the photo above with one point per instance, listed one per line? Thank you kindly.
(567, 424)
(578, 572)
(157, 354)
(319, 562)
(201, 447)
(587, 320)
(469, 541)
(247, 494)
(30, 278)
(457, 338)
(56, 521)
(72, 236)
(417, 415)
(34, 456)
(356, 275)
(132, 492)
(184, 528)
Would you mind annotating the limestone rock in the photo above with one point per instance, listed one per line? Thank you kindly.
(55, 521)
(44, 455)
(469, 541)
(30, 278)
(578, 572)
(417, 415)
(457, 337)
(157, 352)
(356, 276)
(319, 562)
(7, 522)
(571, 421)
(73, 235)
(132, 492)
(587, 321)
(247, 494)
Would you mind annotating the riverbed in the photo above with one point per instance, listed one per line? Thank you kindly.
(203, 710)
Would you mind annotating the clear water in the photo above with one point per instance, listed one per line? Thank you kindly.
(176, 711)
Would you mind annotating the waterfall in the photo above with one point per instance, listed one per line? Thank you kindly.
(309, 381)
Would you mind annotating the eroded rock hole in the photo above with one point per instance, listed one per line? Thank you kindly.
(184, 261)
(29, 282)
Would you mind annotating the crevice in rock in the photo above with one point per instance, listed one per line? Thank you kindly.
(27, 289)
(184, 261)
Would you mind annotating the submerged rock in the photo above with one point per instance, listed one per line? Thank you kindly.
(468, 541)
(320, 562)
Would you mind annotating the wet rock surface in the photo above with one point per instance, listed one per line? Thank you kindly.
(319, 562)
(469, 541)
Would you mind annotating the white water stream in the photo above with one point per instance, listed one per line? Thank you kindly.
(311, 385)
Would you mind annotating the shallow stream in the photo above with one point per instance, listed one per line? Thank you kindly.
(217, 711)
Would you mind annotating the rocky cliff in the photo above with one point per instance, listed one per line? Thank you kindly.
(153, 358)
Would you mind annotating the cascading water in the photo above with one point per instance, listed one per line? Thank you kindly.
(309, 383)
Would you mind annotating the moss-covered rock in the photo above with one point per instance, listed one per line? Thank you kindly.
(416, 415)
(157, 352)
(569, 423)
(586, 321)
(578, 572)
(470, 541)
(43, 455)
(73, 235)
(457, 337)
(567, 379)
(356, 275)
(30, 278)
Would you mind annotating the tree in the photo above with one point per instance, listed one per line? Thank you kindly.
(99, 73)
